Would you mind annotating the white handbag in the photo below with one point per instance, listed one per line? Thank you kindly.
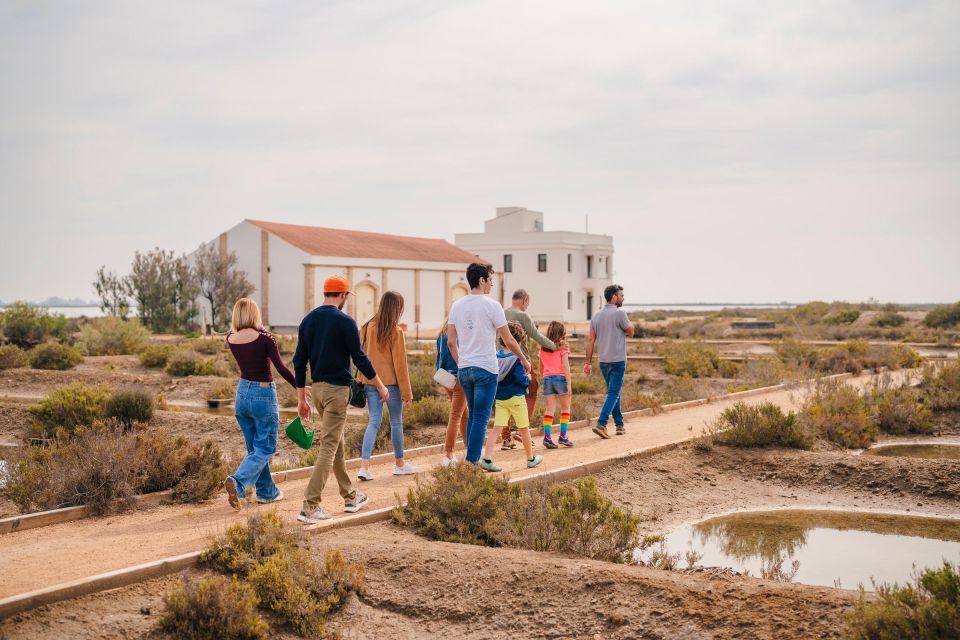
(445, 379)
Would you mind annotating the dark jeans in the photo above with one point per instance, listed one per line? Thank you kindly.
(480, 388)
(613, 375)
(255, 408)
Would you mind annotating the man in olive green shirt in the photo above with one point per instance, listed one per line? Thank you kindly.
(517, 312)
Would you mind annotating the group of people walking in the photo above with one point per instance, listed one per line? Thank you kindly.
(483, 379)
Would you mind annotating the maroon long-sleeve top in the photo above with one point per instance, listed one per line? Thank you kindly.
(254, 358)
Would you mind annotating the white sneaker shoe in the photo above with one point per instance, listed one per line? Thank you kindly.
(446, 462)
(406, 470)
(313, 517)
(364, 474)
(278, 498)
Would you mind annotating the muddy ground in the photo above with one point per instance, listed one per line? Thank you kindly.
(422, 589)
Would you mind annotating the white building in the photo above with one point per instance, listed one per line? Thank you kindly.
(564, 272)
(288, 264)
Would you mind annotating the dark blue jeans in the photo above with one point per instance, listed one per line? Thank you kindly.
(480, 389)
(613, 375)
(255, 408)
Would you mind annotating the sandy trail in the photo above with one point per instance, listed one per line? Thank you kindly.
(60, 553)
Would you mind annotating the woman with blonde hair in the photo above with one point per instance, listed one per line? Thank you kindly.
(255, 405)
(458, 401)
(384, 343)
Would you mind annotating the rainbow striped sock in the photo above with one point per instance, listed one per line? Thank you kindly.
(547, 425)
(564, 423)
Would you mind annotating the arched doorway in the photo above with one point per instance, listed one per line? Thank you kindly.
(366, 304)
(457, 292)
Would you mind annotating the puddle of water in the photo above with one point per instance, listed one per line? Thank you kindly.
(927, 451)
(833, 548)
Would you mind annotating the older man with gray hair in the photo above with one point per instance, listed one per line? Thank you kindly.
(517, 312)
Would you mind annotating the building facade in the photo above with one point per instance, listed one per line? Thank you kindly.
(565, 272)
(289, 263)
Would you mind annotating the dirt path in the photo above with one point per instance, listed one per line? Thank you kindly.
(51, 555)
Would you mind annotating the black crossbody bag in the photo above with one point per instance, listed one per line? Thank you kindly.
(358, 395)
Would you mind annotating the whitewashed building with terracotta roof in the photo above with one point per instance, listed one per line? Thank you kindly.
(288, 264)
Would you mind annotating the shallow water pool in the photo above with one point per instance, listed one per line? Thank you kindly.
(928, 451)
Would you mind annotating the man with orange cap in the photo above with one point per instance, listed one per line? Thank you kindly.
(328, 340)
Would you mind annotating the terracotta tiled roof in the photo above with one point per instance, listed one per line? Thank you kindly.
(320, 241)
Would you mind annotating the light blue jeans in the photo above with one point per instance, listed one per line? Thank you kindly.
(256, 410)
(613, 373)
(375, 408)
(480, 388)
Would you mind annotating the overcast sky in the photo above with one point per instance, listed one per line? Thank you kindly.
(736, 151)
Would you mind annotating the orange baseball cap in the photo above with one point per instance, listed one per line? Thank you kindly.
(336, 284)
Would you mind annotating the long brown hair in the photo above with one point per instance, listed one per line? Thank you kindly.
(556, 332)
(387, 317)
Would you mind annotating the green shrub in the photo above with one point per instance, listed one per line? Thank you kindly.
(689, 359)
(797, 355)
(898, 410)
(68, 407)
(245, 544)
(763, 425)
(12, 357)
(728, 369)
(940, 386)
(929, 607)
(25, 325)
(213, 608)
(848, 316)
(207, 367)
(763, 372)
(427, 410)
(183, 363)
(586, 384)
(943, 316)
(155, 356)
(220, 391)
(422, 382)
(130, 405)
(207, 346)
(112, 336)
(888, 319)
(837, 412)
(55, 356)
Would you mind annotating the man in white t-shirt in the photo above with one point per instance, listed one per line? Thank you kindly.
(473, 326)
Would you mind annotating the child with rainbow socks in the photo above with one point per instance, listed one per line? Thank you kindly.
(555, 369)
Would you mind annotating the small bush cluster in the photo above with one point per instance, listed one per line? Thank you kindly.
(130, 406)
(929, 607)
(277, 565)
(461, 503)
(427, 410)
(112, 336)
(189, 363)
(103, 466)
(838, 412)
(422, 382)
(220, 391)
(888, 319)
(214, 608)
(207, 347)
(586, 384)
(848, 316)
(67, 408)
(689, 359)
(26, 326)
(943, 316)
(940, 386)
(763, 425)
(155, 356)
(55, 356)
(898, 410)
(12, 357)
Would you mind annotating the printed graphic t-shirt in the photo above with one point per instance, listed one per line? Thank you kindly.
(477, 318)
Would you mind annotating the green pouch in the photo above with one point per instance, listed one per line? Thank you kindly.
(300, 436)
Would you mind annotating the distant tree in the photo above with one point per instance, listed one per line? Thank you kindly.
(221, 283)
(942, 316)
(26, 325)
(114, 292)
(164, 288)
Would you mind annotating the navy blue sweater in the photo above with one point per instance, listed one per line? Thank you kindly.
(512, 380)
(328, 339)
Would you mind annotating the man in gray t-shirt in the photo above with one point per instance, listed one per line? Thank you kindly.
(609, 330)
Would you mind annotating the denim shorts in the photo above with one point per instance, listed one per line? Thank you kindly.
(554, 386)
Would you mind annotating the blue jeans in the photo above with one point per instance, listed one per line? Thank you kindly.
(613, 375)
(255, 408)
(375, 407)
(480, 389)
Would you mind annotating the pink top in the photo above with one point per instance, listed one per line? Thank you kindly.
(551, 362)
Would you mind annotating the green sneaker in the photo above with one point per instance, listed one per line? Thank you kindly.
(487, 465)
(534, 461)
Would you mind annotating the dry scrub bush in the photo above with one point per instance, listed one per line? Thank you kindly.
(586, 384)
(130, 406)
(946, 315)
(838, 413)
(888, 319)
(189, 363)
(461, 503)
(25, 325)
(155, 356)
(221, 391)
(213, 608)
(422, 383)
(244, 545)
(847, 316)
(797, 355)
(689, 359)
(763, 372)
(209, 347)
(941, 386)
(426, 411)
(763, 425)
(728, 368)
(584, 407)
(12, 357)
(898, 410)
(68, 407)
(927, 608)
(112, 337)
(54, 356)
(193, 471)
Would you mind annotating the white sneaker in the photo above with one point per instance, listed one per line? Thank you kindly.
(278, 498)
(446, 462)
(406, 470)
(364, 474)
(313, 517)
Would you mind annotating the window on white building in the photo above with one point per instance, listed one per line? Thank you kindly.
(569, 262)
(542, 262)
(569, 299)
(508, 263)
(589, 266)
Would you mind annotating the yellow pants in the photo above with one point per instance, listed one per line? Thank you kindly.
(515, 407)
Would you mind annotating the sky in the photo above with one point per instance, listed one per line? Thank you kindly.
(736, 151)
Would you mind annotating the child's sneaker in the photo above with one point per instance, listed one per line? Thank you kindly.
(508, 444)
(549, 443)
(357, 502)
(487, 465)
(534, 461)
(565, 441)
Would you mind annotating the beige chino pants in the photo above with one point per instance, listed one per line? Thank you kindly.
(330, 401)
